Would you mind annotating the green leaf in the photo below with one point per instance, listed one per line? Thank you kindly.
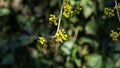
(68, 65)
(66, 47)
(73, 19)
(109, 63)
(91, 27)
(4, 11)
(94, 60)
(34, 53)
(88, 40)
(88, 7)
(74, 56)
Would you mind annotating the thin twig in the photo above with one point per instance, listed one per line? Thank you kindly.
(76, 33)
(117, 10)
(59, 21)
(56, 49)
(60, 16)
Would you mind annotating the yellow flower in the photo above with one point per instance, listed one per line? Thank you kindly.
(78, 9)
(42, 41)
(114, 35)
(109, 12)
(61, 36)
(67, 9)
(52, 19)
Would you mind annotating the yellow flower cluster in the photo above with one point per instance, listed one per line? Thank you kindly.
(114, 35)
(53, 19)
(109, 12)
(78, 9)
(61, 36)
(42, 41)
(67, 9)
(118, 6)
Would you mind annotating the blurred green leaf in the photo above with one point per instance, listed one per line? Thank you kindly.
(8, 59)
(91, 27)
(69, 64)
(88, 40)
(23, 39)
(67, 46)
(48, 62)
(53, 3)
(73, 19)
(34, 53)
(88, 7)
(4, 11)
(74, 56)
(109, 63)
(117, 46)
(59, 58)
(94, 60)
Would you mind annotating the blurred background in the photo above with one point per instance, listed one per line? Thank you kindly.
(88, 46)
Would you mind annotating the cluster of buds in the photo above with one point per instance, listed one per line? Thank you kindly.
(53, 19)
(115, 34)
(67, 9)
(61, 34)
(42, 41)
(109, 12)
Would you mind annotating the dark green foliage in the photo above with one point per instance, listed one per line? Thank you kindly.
(88, 46)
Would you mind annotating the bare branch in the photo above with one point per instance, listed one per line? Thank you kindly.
(60, 16)
(117, 10)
